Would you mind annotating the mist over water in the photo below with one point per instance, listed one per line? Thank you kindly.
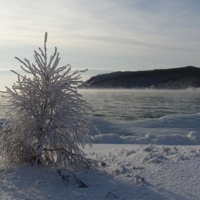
(131, 105)
(142, 116)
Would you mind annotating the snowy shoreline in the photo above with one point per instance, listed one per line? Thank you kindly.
(126, 172)
(168, 130)
(148, 159)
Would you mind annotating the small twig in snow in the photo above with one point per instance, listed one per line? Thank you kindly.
(67, 175)
(38, 183)
(109, 194)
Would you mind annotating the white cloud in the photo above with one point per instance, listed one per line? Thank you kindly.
(115, 34)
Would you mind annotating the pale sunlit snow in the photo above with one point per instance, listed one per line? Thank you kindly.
(162, 163)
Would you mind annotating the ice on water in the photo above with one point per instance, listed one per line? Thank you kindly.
(177, 121)
(169, 130)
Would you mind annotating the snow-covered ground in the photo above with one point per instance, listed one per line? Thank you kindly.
(156, 159)
(126, 172)
(168, 130)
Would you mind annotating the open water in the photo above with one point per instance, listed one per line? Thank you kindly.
(132, 105)
(145, 116)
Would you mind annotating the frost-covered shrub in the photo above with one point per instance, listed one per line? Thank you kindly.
(45, 122)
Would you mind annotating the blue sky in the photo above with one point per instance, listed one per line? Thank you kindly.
(101, 36)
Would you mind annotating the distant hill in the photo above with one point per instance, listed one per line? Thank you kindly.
(175, 78)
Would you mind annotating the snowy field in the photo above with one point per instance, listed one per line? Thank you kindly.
(160, 160)
(126, 172)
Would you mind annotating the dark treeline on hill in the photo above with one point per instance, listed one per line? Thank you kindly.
(175, 78)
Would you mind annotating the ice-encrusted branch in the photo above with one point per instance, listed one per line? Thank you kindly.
(46, 120)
